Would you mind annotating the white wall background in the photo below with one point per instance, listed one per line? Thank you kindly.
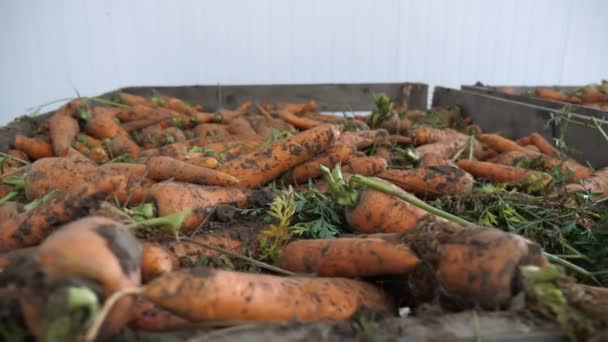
(49, 48)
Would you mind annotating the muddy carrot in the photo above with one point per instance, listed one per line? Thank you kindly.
(163, 168)
(596, 183)
(263, 297)
(298, 121)
(200, 161)
(103, 123)
(32, 227)
(147, 316)
(446, 148)
(98, 249)
(534, 180)
(156, 260)
(432, 181)
(338, 153)
(34, 148)
(62, 130)
(428, 135)
(543, 145)
(137, 181)
(511, 158)
(173, 197)
(211, 130)
(348, 257)
(123, 144)
(267, 163)
(241, 126)
(366, 166)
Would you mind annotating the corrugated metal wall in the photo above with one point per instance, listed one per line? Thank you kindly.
(49, 49)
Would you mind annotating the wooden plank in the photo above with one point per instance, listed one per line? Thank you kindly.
(516, 119)
(329, 97)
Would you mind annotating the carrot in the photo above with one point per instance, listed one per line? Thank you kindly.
(103, 124)
(202, 294)
(592, 94)
(163, 168)
(98, 249)
(298, 121)
(446, 148)
(243, 239)
(429, 135)
(34, 148)
(551, 94)
(178, 106)
(173, 197)
(155, 261)
(363, 139)
(123, 144)
(241, 126)
(137, 181)
(132, 100)
(267, 163)
(399, 139)
(132, 126)
(211, 130)
(596, 183)
(144, 112)
(29, 228)
(297, 108)
(534, 180)
(207, 162)
(62, 130)
(368, 210)
(366, 166)
(9, 210)
(201, 118)
(338, 153)
(432, 181)
(432, 159)
(48, 174)
(383, 152)
(469, 266)
(147, 316)
(511, 158)
(544, 146)
(325, 118)
(348, 257)
(500, 144)
(531, 148)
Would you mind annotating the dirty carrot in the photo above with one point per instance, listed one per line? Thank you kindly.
(338, 153)
(137, 181)
(298, 121)
(173, 197)
(34, 148)
(30, 228)
(147, 316)
(432, 181)
(534, 180)
(156, 260)
(263, 297)
(241, 126)
(366, 166)
(103, 124)
(348, 257)
(511, 158)
(267, 163)
(132, 100)
(63, 128)
(596, 184)
(163, 168)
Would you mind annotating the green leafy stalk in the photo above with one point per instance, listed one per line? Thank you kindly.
(40, 200)
(174, 222)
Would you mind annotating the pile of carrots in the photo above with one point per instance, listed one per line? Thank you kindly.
(593, 95)
(86, 198)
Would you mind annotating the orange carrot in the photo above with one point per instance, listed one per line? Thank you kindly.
(173, 197)
(211, 130)
(241, 126)
(543, 145)
(200, 161)
(338, 153)
(428, 135)
(155, 261)
(103, 124)
(366, 166)
(34, 148)
(511, 158)
(507, 174)
(30, 228)
(137, 181)
(551, 94)
(446, 148)
(132, 100)
(98, 249)
(297, 121)
(432, 181)
(348, 257)
(596, 183)
(263, 297)
(163, 168)
(262, 166)
(149, 317)
(500, 144)
(123, 144)
(63, 128)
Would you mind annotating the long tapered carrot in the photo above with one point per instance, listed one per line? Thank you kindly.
(34, 148)
(543, 145)
(62, 130)
(501, 144)
(298, 121)
(446, 148)
(32, 227)
(506, 174)
(163, 168)
(432, 181)
(338, 153)
(174, 197)
(348, 257)
(132, 100)
(264, 165)
(366, 166)
(263, 297)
